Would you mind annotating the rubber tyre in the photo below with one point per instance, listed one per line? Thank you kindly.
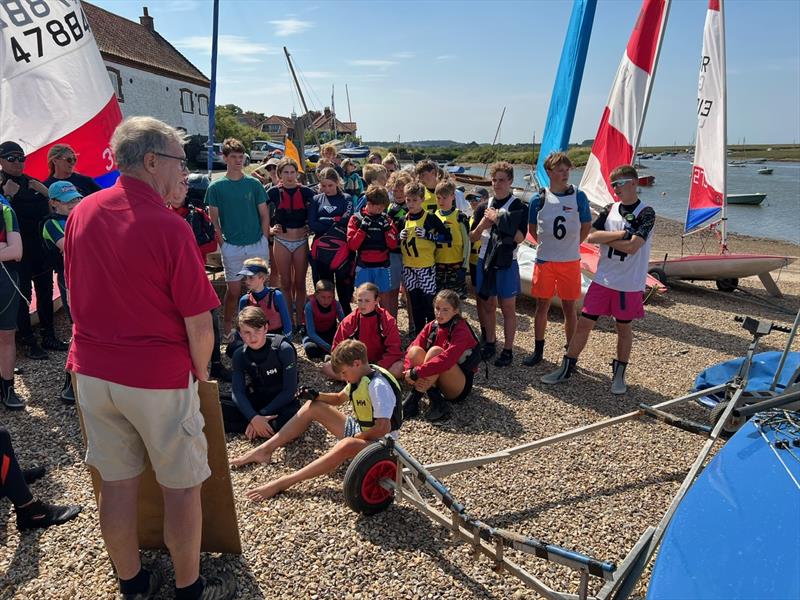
(731, 426)
(658, 273)
(362, 493)
(727, 285)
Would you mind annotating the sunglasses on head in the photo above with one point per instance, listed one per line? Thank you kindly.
(620, 182)
(15, 158)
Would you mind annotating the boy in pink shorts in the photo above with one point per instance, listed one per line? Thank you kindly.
(623, 231)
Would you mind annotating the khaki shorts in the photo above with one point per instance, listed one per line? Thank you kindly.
(125, 424)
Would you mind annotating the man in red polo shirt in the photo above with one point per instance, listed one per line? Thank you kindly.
(142, 338)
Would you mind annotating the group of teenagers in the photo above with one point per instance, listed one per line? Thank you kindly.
(405, 231)
(405, 235)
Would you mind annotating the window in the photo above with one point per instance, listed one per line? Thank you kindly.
(272, 128)
(116, 83)
(202, 104)
(187, 100)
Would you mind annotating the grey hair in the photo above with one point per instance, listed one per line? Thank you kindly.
(136, 136)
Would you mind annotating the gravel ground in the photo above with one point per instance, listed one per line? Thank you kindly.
(595, 494)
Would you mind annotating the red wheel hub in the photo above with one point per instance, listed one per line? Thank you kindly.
(371, 490)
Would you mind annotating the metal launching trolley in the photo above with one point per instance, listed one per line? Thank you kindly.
(385, 471)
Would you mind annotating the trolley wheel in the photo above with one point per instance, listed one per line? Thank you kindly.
(659, 274)
(731, 426)
(727, 285)
(363, 492)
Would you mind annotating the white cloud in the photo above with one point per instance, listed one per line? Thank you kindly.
(381, 64)
(446, 57)
(403, 55)
(291, 26)
(236, 48)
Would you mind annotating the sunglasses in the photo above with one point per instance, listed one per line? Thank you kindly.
(14, 158)
(271, 168)
(70, 159)
(620, 183)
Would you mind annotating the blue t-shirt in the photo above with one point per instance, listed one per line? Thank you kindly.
(584, 212)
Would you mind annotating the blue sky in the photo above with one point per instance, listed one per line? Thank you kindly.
(444, 70)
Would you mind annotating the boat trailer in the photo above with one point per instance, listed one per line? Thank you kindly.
(385, 471)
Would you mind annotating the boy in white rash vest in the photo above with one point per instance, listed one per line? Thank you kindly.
(624, 232)
(559, 219)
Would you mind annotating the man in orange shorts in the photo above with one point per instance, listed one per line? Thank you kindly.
(559, 219)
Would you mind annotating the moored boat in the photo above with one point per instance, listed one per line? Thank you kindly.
(764, 171)
(473, 179)
(647, 180)
(746, 199)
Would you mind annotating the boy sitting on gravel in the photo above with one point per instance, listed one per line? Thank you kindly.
(375, 397)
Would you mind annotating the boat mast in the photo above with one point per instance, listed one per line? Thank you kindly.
(333, 111)
(347, 93)
(724, 75)
(496, 134)
(652, 77)
(213, 91)
(302, 99)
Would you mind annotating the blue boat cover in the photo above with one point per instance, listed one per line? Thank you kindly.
(736, 534)
(761, 373)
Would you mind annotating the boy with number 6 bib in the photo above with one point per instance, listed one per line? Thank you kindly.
(559, 219)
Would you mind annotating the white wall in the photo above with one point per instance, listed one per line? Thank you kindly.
(153, 95)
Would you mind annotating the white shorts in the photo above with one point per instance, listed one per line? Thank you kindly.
(233, 257)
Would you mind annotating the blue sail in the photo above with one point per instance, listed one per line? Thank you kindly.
(561, 113)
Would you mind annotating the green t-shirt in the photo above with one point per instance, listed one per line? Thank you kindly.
(237, 202)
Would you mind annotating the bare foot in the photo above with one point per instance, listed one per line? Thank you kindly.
(265, 492)
(254, 456)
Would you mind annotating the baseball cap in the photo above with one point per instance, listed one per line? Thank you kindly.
(251, 270)
(477, 193)
(11, 149)
(64, 191)
(273, 161)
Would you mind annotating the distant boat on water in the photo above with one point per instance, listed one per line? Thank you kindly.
(764, 171)
(356, 152)
(472, 179)
(746, 199)
(647, 180)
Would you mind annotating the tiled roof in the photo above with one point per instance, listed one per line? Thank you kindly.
(132, 44)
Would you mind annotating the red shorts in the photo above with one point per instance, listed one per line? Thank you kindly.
(562, 279)
(623, 306)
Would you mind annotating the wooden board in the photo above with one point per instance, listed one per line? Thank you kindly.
(220, 528)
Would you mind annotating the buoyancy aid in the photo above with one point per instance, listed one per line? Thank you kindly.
(202, 228)
(418, 252)
(362, 403)
(471, 358)
(264, 376)
(325, 319)
(292, 209)
(267, 304)
(374, 251)
(453, 251)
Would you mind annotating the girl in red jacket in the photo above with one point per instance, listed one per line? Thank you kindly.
(442, 360)
(373, 325)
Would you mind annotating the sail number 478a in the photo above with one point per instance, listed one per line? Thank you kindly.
(36, 40)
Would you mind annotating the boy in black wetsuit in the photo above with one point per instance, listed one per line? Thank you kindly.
(264, 380)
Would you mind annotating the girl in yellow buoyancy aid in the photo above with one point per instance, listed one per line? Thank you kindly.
(420, 232)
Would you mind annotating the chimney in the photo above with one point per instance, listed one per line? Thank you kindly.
(147, 21)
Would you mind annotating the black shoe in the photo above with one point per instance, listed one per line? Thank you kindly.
(40, 515)
(505, 358)
(67, 395)
(411, 404)
(32, 474)
(34, 351)
(51, 342)
(153, 584)
(488, 351)
(220, 372)
(218, 587)
(440, 408)
(533, 360)
(11, 401)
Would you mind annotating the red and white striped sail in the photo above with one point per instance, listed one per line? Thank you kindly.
(623, 118)
(707, 193)
(54, 87)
